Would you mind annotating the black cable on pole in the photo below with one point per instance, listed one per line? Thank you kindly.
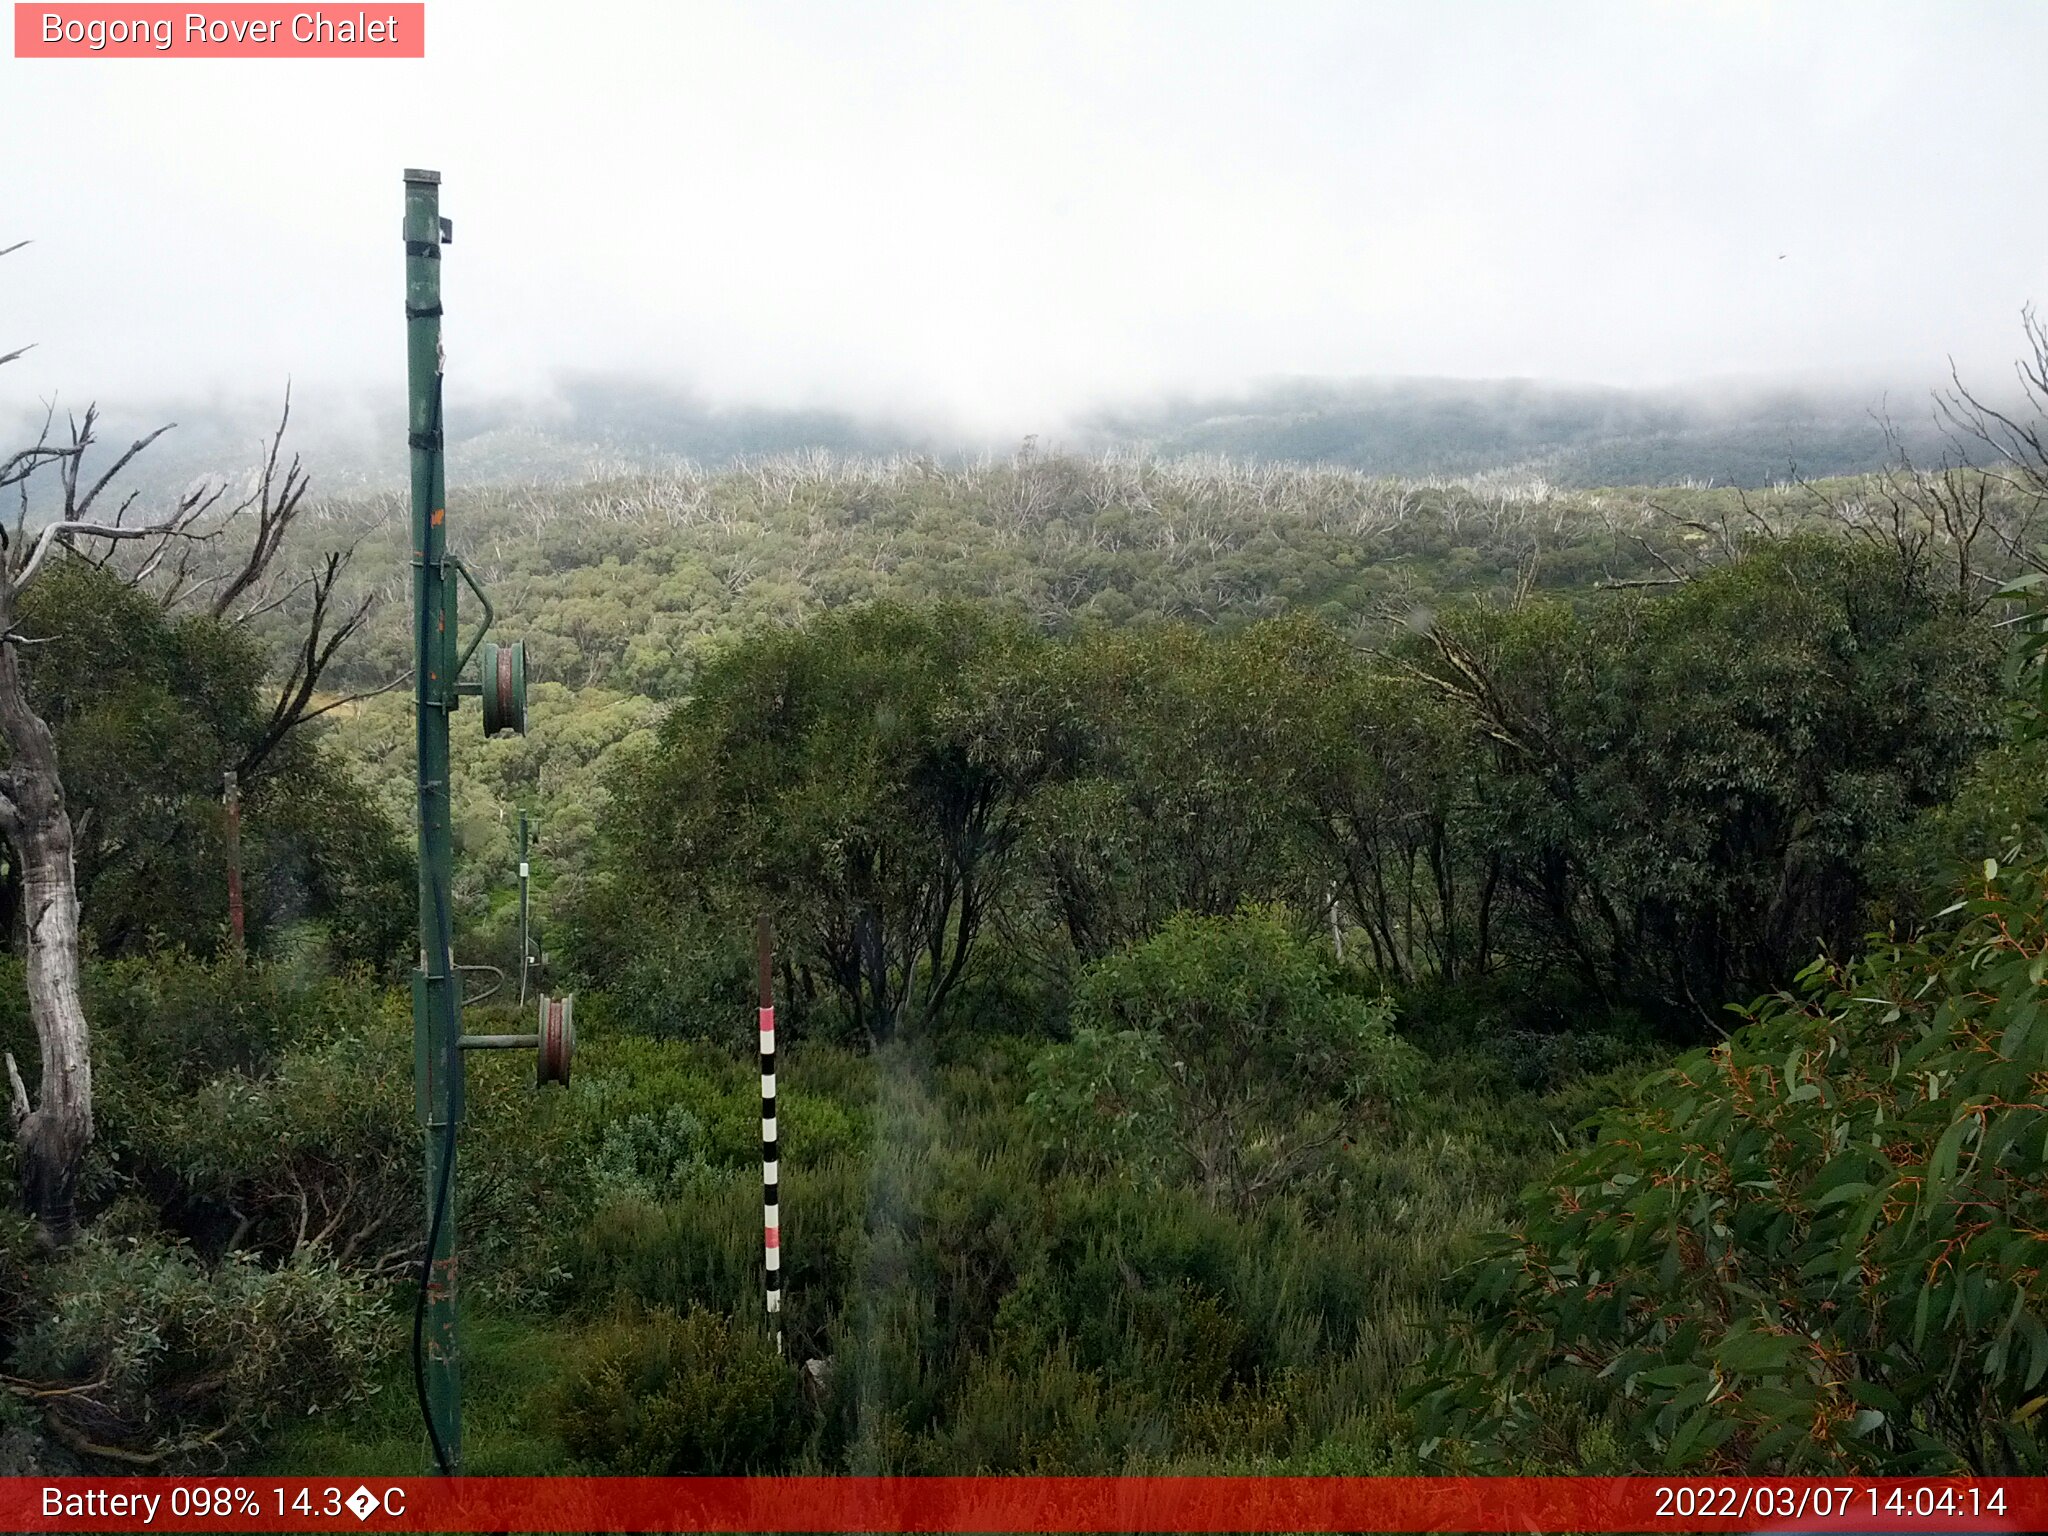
(419, 1308)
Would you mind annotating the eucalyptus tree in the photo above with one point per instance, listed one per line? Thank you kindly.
(1684, 791)
(865, 778)
(1188, 795)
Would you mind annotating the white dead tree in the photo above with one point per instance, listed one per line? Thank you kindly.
(52, 1131)
(54, 1127)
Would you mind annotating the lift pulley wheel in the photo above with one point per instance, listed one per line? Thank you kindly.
(557, 1038)
(501, 678)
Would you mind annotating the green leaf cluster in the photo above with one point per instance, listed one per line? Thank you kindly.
(1817, 1244)
(149, 709)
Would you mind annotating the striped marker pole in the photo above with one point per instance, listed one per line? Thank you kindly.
(771, 1213)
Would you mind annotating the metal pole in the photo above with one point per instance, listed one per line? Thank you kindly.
(437, 996)
(771, 1173)
(232, 796)
(525, 946)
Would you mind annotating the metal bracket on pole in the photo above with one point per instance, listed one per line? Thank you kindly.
(482, 629)
(554, 1041)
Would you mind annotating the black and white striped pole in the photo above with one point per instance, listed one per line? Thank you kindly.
(771, 1212)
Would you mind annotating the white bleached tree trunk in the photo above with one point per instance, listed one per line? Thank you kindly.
(51, 1134)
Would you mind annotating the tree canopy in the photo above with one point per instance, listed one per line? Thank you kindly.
(1654, 804)
(149, 710)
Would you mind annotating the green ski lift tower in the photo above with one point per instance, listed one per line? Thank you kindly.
(499, 684)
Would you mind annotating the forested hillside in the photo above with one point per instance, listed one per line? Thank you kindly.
(1207, 895)
(624, 588)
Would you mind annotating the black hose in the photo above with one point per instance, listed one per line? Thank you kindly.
(419, 1309)
(442, 1190)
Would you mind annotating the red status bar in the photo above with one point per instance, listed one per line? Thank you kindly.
(893, 1504)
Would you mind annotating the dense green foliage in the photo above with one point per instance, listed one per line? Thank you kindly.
(194, 1359)
(1815, 1245)
(983, 1302)
(656, 1395)
(149, 711)
(1219, 1053)
(629, 584)
(1685, 792)
(625, 588)
(254, 1192)
(866, 781)
(1656, 805)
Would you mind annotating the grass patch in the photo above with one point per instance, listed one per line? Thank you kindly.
(508, 1363)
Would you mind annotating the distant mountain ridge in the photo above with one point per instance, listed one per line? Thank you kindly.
(1578, 435)
(598, 426)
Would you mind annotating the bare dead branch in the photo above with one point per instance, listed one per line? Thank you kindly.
(276, 502)
(1673, 576)
(275, 600)
(192, 507)
(356, 698)
(20, 465)
(21, 515)
(2019, 446)
(294, 704)
(8, 357)
(71, 530)
(1764, 527)
(75, 507)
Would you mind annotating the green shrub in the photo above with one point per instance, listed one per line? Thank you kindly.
(1995, 812)
(1045, 1411)
(668, 975)
(707, 1131)
(706, 1250)
(624, 1077)
(242, 1108)
(165, 1022)
(649, 1157)
(320, 1149)
(664, 1395)
(166, 1354)
(1050, 1417)
(1221, 1051)
(21, 1273)
(311, 1142)
(1813, 1246)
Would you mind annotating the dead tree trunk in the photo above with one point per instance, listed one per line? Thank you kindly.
(50, 1136)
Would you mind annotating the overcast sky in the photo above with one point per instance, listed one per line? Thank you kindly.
(997, 213)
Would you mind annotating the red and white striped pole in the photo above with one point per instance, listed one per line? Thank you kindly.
(771, 1213)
